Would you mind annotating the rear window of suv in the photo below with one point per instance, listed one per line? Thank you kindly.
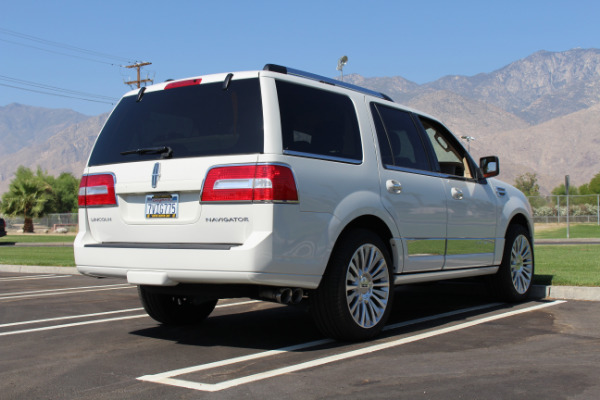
(318, 123)
(193, 121)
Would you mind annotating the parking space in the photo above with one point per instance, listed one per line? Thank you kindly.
(64, 336)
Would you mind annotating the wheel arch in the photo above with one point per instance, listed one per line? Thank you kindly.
(376, 225)
(521, 219)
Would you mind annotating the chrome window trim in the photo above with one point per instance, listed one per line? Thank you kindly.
(322, 157)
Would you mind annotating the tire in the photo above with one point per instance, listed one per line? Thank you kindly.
(512, 282)
(174, 310)
(355, 296)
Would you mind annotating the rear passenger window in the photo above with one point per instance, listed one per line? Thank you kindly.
(399, 139)
(318, 122)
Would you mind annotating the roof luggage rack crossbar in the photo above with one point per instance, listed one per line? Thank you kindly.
(323, 79)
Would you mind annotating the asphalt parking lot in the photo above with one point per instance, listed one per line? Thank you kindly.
(68, 336)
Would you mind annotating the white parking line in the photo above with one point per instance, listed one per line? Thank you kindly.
(96, 321)
(55, 292)
(167, 377)
(49, 328)
(39, 321)
(30, 277)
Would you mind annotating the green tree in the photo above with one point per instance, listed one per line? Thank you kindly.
(585, 189)
(594, 184)
(561, 190)
(527, 183)
(64, 193)
(27, 195)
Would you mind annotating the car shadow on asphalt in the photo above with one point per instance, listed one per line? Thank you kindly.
(269, 326)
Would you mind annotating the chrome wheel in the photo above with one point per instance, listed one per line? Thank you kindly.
(521, 264)
(367, 286)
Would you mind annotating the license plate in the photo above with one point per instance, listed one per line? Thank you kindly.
(162, 205)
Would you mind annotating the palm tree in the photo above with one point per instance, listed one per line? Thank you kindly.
(26, 196)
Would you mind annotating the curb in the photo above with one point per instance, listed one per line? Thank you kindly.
(38, 269)
(582, 293)
(565, 292)
(566, 241)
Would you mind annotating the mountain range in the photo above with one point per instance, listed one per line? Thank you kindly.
(539, 114)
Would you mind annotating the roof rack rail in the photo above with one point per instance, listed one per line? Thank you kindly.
(323, 79)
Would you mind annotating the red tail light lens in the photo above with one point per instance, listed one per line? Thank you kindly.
(187, 82)
(97, 190)
(250, 183)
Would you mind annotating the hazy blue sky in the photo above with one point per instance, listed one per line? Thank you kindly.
(418, 40)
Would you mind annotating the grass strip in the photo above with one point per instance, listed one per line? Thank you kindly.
(45, 256)
(25, 238)
(569, 265)
(579, 231)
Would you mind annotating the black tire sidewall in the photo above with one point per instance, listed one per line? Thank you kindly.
(504, 284)
(329, 302)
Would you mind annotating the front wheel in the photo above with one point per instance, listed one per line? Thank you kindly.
(513, 280)
(174, 309)
(354, 298)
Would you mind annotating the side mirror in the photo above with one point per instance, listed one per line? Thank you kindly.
(490, 166)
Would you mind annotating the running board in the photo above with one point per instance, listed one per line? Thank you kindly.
(443, 275)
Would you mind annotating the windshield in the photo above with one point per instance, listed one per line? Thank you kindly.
(192, 121)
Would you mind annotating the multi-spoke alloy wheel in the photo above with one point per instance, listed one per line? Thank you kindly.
(513, 280)
(354, 298)
(521, 264)
(367, 286)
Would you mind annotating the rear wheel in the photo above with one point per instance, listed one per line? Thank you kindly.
(513, 280)
(174, 309)
(354, 298)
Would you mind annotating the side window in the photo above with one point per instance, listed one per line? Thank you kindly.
(450, 156)
(318, 122)
(399, 139)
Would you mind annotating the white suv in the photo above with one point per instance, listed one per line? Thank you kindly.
(283, 185)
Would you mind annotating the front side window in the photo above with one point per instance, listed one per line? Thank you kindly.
(451, 157)
(318, 122)
(192, 121)
(399, 139)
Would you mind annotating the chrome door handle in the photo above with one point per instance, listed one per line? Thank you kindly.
(457, 194)
(393, 186)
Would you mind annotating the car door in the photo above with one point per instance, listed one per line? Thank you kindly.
(471, 202)
(410, 191)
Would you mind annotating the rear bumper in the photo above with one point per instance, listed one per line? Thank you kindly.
(261, 260)
(173, 277)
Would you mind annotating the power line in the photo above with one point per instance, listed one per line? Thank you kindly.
(63, 46)
(59, 53)
(60, 92)
(56, 94)
(55, 88)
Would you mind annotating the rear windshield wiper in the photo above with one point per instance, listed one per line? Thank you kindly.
(166, 151)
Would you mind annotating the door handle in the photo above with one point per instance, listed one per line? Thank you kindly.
(457, 194)
(393, 186)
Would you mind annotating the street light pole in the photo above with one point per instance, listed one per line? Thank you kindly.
(340, 67)
(468, 139)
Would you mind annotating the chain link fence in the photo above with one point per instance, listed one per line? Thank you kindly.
(51, 223)
(553, 208)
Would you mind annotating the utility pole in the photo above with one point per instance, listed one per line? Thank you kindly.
(139, 80)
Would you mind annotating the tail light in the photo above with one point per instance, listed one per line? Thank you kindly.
(188, 82)
(260, 183)
(97, 190)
